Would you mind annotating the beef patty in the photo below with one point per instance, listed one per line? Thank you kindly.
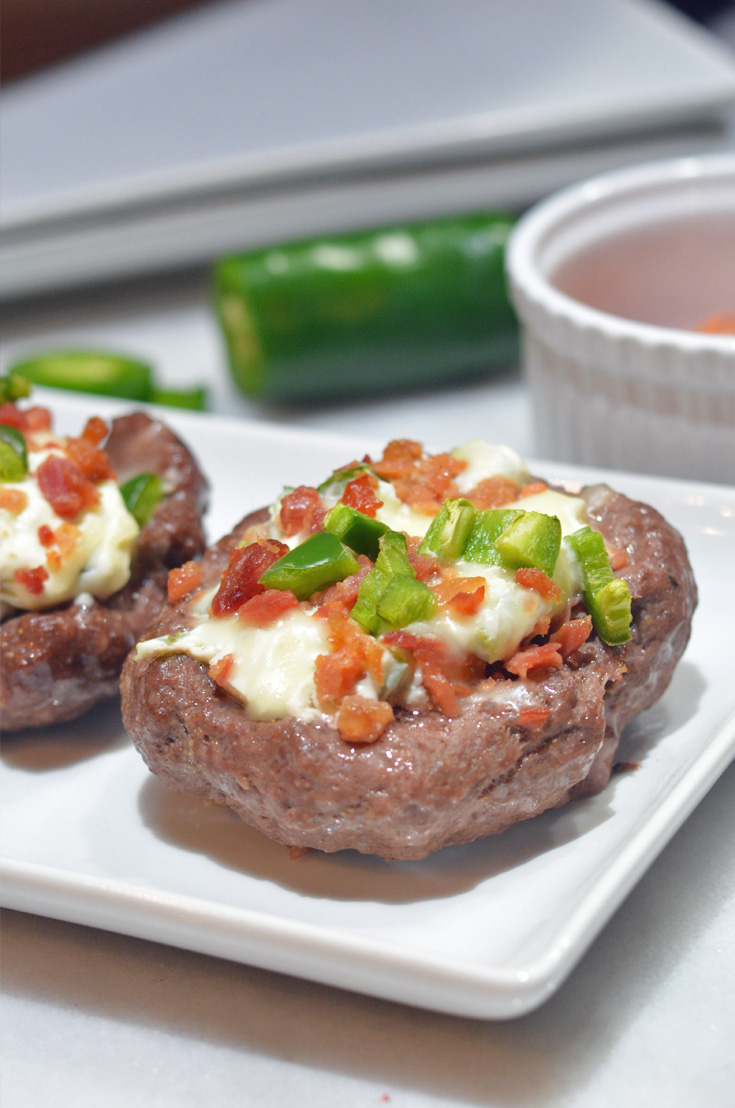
(56, 663)
(428, 781)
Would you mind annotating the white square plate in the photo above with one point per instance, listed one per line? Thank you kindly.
(490, 929)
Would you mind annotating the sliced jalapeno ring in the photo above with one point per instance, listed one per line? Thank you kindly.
(93, 371)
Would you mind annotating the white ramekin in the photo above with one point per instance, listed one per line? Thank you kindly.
(606, 390)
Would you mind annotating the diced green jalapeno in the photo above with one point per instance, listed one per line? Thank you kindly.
(607, 597)
(393, 556)
(449, 530)
(390, 596)
(142, 494)
(365, 609)
(13, 454)
(594, 561)
(611, 612)
(319, 561)
(337, 481)
(532, 539)
(487, 525)
(13, 387)
(355, 529)
(405, 601)
(93, 371)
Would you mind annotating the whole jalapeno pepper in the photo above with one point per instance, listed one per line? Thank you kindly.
(370, 311)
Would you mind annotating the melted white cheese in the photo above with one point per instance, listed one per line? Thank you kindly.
(98, 561)
(273, 671)
(510, 612)
(485, 459)
(399, 516)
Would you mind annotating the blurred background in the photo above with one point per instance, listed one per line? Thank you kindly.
(39, 33)
(144, 140)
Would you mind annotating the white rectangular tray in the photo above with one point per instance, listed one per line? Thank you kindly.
(239, 124)
(487, 930)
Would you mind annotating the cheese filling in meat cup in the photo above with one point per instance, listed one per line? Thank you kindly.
(420, 651)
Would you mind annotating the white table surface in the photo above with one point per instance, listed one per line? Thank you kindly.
(92, 1018)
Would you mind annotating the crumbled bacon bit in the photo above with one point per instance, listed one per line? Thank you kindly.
(462, 596)
(85, 451)
(534, 488)
(66, 537)
(32, 579)
(13, 500)
(183, 580)
(445, 673)
(295, 853)
(545, 656)
(399, 459)
(220, 670)
(533, 718)
(65, 486)
(618, 556)
(27, 420)
(360, 494)
(241, 580)
(344, 593)
(361, 720)
(301, 510)
(353, 655)
(425, 566)
(493, 492)
(432, 484)
(541, 627)
(572, 634)
(336, 675)
(266, 608)
(60, 543)
(538, 581)
(421, 482)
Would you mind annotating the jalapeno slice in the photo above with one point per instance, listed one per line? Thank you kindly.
(319, 561)
(607, 597)
(14, 387)
(142, 494)
(358, 531)
(13, 454)
(93, 371)
(531, 540)
(391, 596)
(449, 530)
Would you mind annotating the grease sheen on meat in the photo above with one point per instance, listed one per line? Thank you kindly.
(429, 780)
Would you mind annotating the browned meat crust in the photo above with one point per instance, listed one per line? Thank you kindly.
(428, 781)
(56, 664)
